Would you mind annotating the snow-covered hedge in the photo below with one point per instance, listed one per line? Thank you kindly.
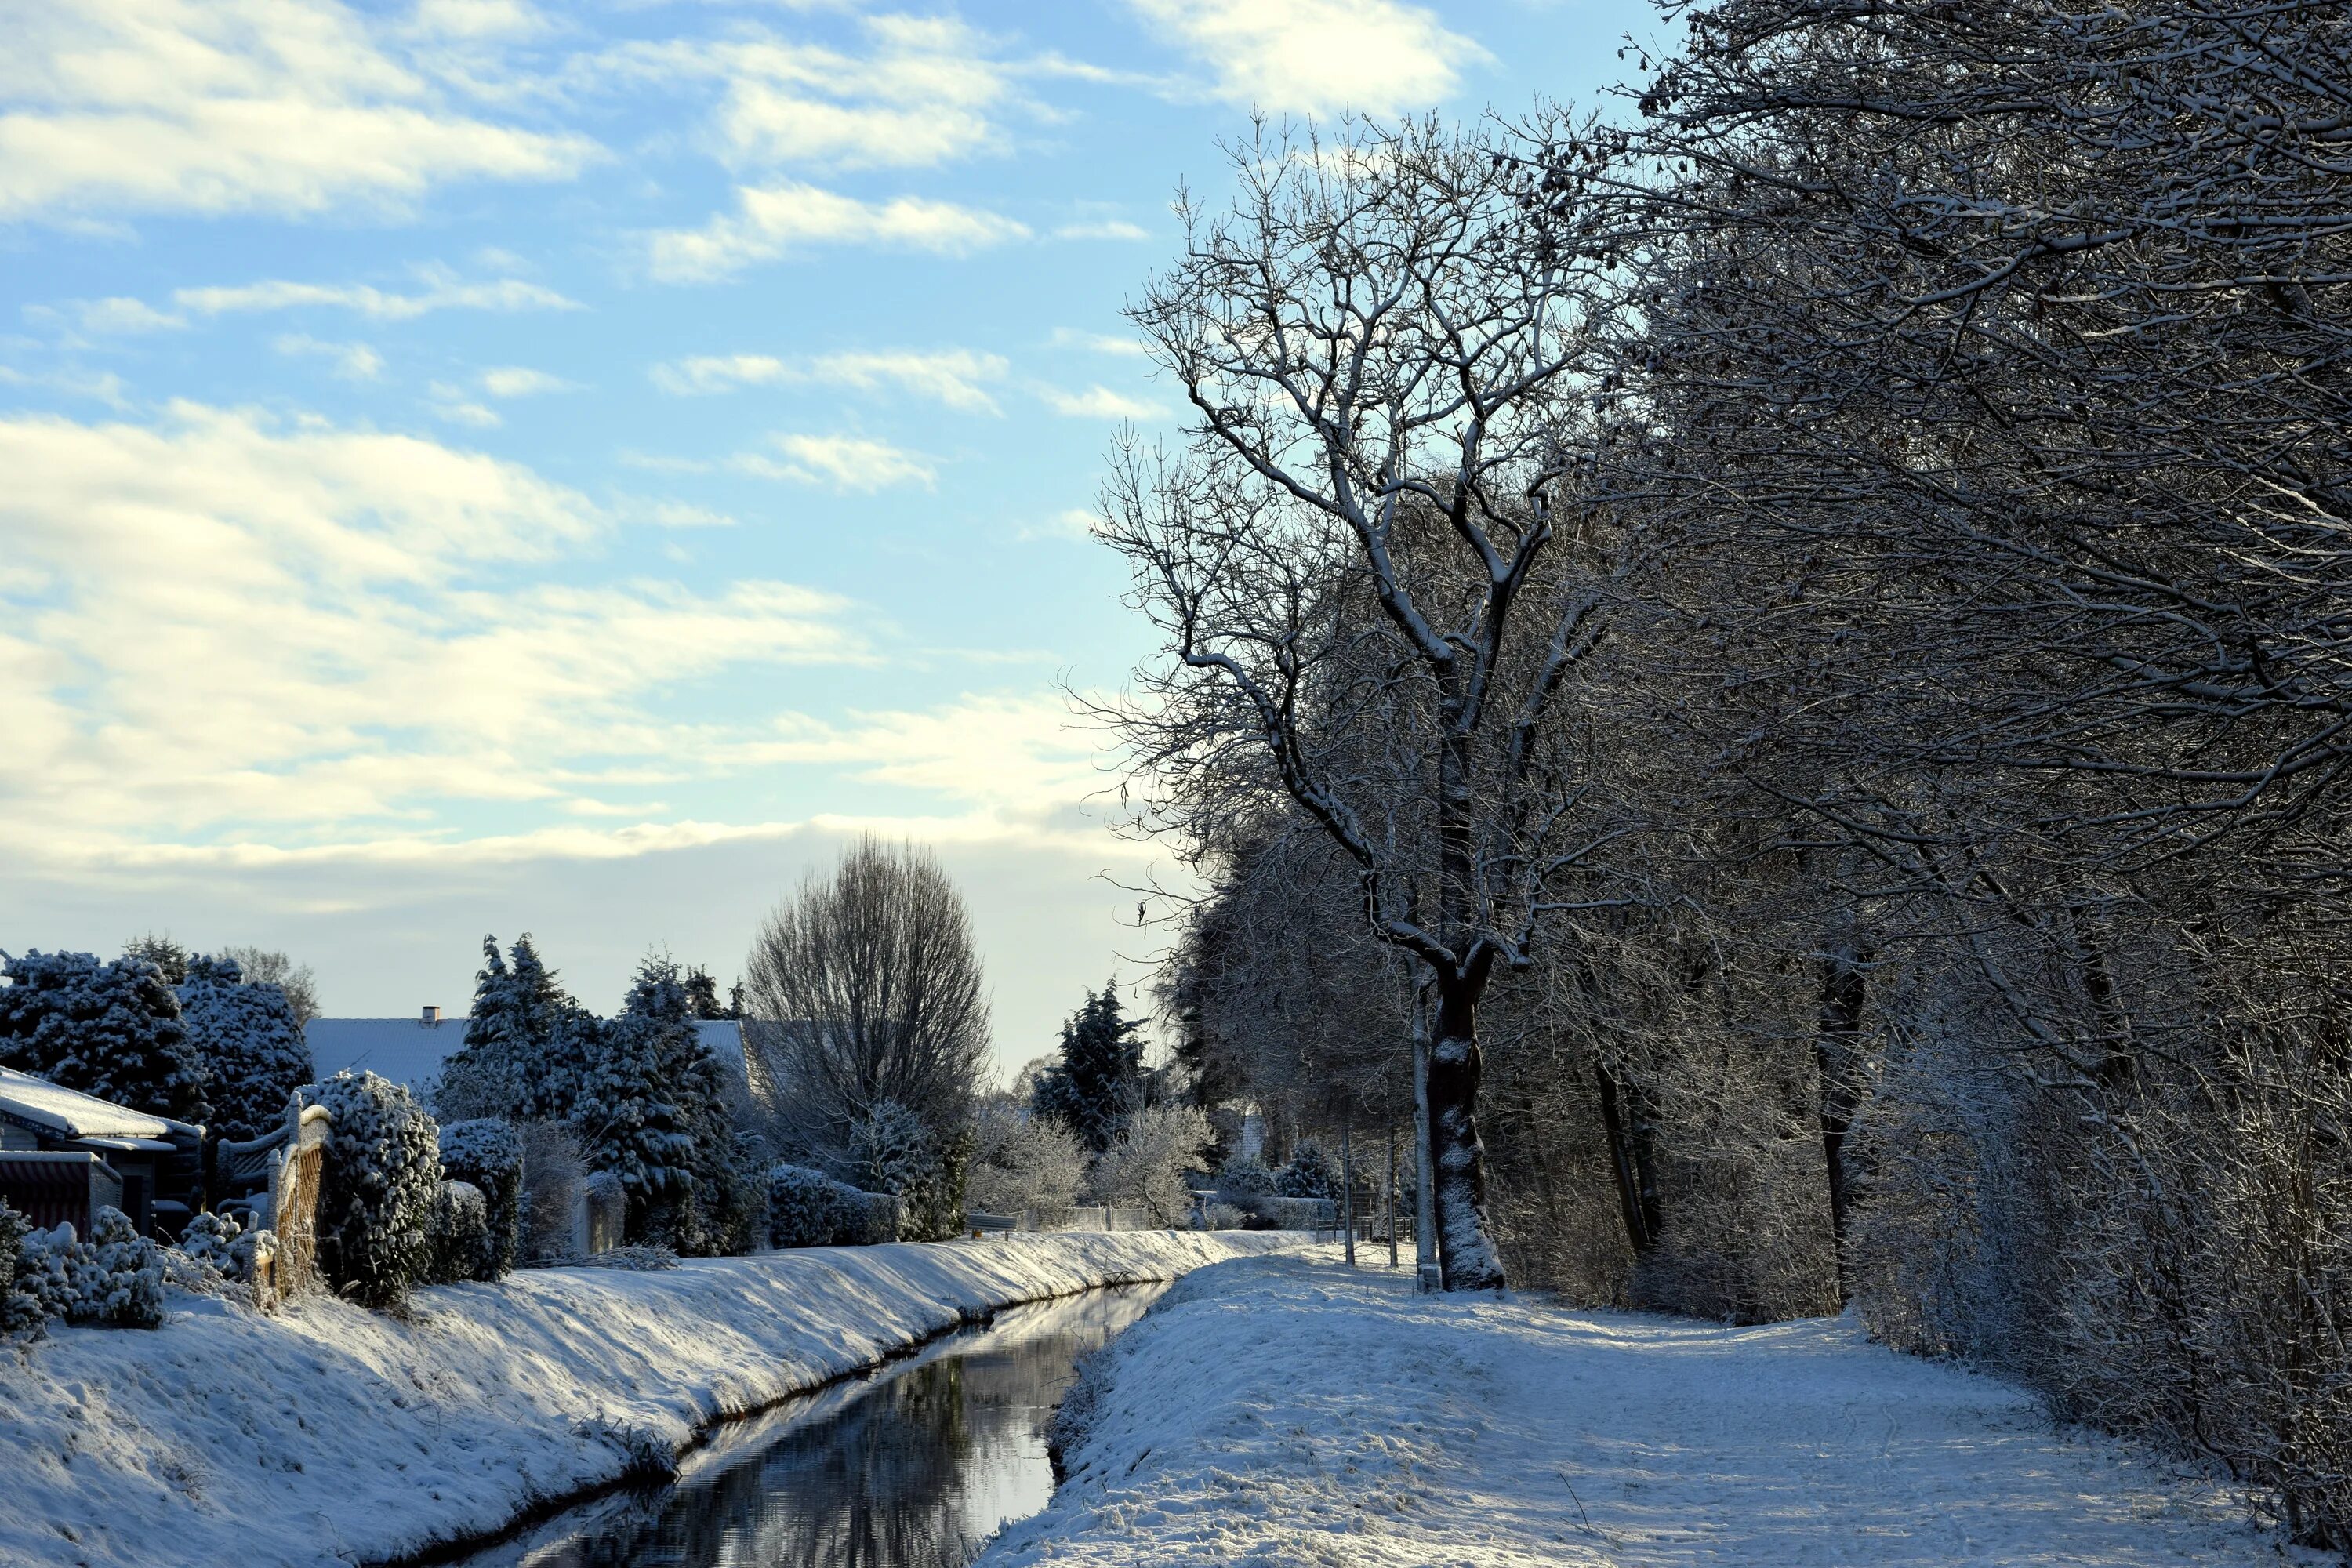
(488, 1154)
(461, 1234)
(1246, 1178)
(18, 1308)
(383, 1179)
(116, 1277)
(809, 1208)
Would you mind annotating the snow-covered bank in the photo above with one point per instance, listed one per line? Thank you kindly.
(333, 1435)
(1281, 1410)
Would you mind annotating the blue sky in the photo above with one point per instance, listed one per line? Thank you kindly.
(476, 466)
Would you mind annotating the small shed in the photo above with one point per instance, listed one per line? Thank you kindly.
(157, 1160)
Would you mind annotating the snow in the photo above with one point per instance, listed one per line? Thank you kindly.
(1286, 1410)
(332, 1435)
(38, 1101)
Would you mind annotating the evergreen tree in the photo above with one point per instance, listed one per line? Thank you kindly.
(528, 1043)
(110, 1029)
(167, 955)
(247, 1040)
(703, 988)
(1098, 1082)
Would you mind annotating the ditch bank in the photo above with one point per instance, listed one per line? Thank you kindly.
(329, 1435)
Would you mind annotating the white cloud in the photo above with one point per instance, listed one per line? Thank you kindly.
(678, 514)
(221, 105)
(839, 462)
(354, 362)
(220, 623)
(775, 220)
(458, 411)
(1103, 228)
(955, 377)
(1098, 402)
(1099, 343)
(1070, 523)
(441, 293)
(1318, 55)
(120, 315)
(519, 380)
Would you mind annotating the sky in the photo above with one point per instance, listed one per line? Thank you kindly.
(475, 467)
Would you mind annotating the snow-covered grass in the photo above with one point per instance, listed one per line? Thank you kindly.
(332, 1435)
(1283, 1410)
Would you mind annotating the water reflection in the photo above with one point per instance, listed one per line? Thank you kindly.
(913, 1467)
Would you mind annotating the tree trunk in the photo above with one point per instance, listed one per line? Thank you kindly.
(1465, 1252)
(1837, 1051)
(1387, 1198)
(1424, 1188)
(1348, 1183)
(1639, 1233)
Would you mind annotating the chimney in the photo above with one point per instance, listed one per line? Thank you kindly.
(431, 1018)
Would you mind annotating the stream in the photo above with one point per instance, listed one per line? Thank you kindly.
(915, 1465)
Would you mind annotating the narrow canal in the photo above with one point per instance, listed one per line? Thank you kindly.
(913, 1466)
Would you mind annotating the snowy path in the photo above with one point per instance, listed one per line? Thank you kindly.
(332, 1436)
(1282, 1411)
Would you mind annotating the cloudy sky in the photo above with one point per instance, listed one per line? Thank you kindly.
(476, 466)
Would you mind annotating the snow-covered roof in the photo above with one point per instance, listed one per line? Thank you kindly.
(405, 1050)
(37, 1102)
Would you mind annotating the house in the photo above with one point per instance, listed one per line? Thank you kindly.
(411, 1050)
(157, 1162)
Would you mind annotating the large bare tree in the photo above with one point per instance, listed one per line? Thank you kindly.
(1373, 562)
(861, 988)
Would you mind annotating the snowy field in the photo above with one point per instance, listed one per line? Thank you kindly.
(333, 1435)
(1282, 1411)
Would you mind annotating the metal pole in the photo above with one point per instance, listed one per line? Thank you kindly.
(1424, 1206)
(1348, 1183)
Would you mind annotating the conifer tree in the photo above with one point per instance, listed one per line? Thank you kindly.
(1098, 1082)
(111, 1029)
(247, 1040)
(527, 1043)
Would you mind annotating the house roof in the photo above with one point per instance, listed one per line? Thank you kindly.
(36, 1103)
(405, 1050)
(411, 1051)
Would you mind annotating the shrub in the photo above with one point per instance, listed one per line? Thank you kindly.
(895, 1153)
(1224, 1216)
(806, 1208)
(460, 1234)
(1023, 1162)
(1244, 1177)
(383, 1177)
(553, 1170)
(1308, 1176)
(486, 1154)
(1145, 1166)
(19, 1307)
(116, 1277)
(250, 1044)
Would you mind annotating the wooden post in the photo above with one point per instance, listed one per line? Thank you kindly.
(1387, 1199)
(1348, 1183)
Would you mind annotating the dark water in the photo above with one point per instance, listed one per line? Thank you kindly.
(914, 1466)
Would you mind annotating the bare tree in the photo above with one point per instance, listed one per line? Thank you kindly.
(267, 966)
(864, 988)
(1373, 565)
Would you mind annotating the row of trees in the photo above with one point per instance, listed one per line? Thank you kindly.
(201, 1041)
(1789, 639)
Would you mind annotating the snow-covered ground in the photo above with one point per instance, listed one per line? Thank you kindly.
(1281, 1410)
(332, 1435)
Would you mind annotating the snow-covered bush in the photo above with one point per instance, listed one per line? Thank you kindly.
(895, 1153)
(1244, 1177)
(1310, 1175)
(19, 1307)
(116, 1277)
(213, 1251)
(1023, 1162)
(1145, 1167)
(1224, 1216)
(461, 1234)
(553, 1170)
(809, 1208)
(109, 1029)
(250, 1047)
(486, 1154)
(383, 1177)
